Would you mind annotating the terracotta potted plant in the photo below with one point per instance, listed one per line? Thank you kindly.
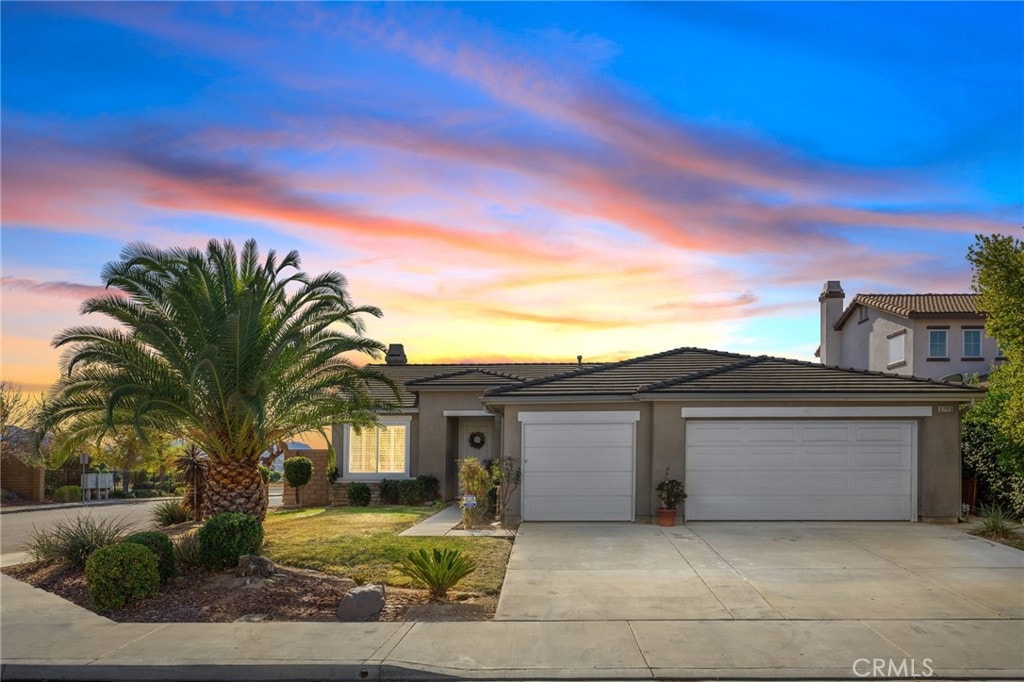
(671, 493)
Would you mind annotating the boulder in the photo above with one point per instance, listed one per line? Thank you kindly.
(361, 604)
(253, 565)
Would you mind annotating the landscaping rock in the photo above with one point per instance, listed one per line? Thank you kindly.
(251, 564)
(254, 618)
(362, 604)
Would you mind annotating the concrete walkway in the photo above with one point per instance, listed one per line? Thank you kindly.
(44, 637)
(442, 524)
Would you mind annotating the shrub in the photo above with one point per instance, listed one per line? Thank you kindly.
(73, 540)
(438, 571)
(410, 492)
(474, 480)
(994, 521)
(181, 490)
(359, 495)
(227, 536)
(119, 494)
(162, 548)
(388, 492)
(120, 574)
(990, 457)
(170, 512)
(298, 471)
(147, 492)
(52, 480)
(430, 488)
(68, 493)
(186, 549)
(264, 472)
(275, 476)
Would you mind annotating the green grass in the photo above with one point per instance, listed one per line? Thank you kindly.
(361, 543)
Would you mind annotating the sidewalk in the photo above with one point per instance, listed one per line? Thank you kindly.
(45, 637)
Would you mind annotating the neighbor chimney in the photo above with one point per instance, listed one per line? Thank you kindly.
(396, 355)
(579, 359)
(831, 300)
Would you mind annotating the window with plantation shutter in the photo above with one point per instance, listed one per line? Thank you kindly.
(378, 452)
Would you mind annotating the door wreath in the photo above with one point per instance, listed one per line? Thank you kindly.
(477, 440)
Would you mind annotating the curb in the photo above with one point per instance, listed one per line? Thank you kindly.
(81, 505)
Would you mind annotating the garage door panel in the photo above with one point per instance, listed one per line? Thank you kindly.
(569, 459)
(828, 470)
(596, 484)
(578, 508)
(769, 434)
(575, 435)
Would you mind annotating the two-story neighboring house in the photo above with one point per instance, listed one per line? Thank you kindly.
(933, 336)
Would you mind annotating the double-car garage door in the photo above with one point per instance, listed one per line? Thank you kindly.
(580, 466)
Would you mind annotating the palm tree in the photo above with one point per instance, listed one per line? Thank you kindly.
(227, 352)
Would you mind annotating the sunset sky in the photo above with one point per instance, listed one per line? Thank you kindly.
(515, 181)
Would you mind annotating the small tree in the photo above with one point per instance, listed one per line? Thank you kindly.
(474, 480)
(298, 471)
(192, 466)
(507, 475)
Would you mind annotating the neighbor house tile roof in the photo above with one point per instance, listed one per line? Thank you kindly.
(915, 305)
(469, 375)
(699, 371)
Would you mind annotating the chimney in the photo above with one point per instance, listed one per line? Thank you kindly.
(831, 300)
(579, 359)
(396, 355)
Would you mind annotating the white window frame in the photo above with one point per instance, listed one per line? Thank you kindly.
(945, 337)
(897, 341)
(377, 476)
(981, 338)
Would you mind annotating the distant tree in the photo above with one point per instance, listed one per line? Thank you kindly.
(17, 420)
(127, 449)
(233, 351)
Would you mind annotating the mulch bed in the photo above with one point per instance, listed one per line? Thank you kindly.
(199, 596)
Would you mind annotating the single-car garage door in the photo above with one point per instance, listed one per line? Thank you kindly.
(800, 470)
(578, 466)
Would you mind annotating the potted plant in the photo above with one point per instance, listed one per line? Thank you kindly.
(671, 493)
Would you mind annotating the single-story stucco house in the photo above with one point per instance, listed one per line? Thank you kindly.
(753, 438)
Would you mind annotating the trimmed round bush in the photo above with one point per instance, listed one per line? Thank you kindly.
(298, 471)
(162, 547)
(359, 495)
(227, 536)
(119, 574)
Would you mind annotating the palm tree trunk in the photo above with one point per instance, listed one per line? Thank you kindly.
(235, 487)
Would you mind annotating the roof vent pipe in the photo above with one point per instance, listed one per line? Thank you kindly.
(396, 355)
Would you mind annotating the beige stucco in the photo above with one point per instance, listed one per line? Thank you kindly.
(865, 345)
(661, 443)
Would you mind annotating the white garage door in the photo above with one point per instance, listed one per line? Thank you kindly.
(800, 470)
(578, 466)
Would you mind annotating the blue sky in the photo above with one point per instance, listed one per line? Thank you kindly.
(516, 181)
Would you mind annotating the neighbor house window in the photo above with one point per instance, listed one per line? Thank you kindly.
(897, 345)
(972, 343)
(378, 451)
(937, 346)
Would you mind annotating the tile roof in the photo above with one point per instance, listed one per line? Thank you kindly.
(698, 371)
(471, 375)
(916, 305)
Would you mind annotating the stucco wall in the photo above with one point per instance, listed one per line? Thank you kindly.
(661, 443)
(938, 465)
(430, 451)
(933, 369)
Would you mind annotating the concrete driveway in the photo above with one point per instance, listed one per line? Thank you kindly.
(758, 571)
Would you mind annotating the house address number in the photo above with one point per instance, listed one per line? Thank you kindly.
(945, 408)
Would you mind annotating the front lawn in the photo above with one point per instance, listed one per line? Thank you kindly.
(362, 543)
